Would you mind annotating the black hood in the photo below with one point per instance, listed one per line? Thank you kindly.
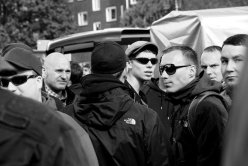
(103, 100)
(200, 84)
(153, 84)
(76, 88)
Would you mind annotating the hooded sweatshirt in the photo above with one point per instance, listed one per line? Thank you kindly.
(159, 101)
(122, 132)
(211, 118)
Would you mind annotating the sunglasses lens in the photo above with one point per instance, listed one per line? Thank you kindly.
(18, 80)
(170, 69)
(144, 61)
(154, 61)
(4, 82)
(161, 69)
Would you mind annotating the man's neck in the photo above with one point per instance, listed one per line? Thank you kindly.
(229, 91)
(135, 83)
(39, 97)
(57, 94)
(160, 85)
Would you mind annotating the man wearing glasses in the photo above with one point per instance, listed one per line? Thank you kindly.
(32, 134)
(142, 59)
(123, 132)
(27, 82)
(181, 82)
(28, 78)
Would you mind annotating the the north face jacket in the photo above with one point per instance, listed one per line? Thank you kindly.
(123, 133)
(210, 120)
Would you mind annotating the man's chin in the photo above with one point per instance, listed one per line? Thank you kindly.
(232, 83)
(60, 88)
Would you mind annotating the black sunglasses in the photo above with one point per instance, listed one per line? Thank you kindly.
(16, 80)
(170, 68)
(144, 61)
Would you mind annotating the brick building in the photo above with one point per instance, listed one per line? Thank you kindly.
(99, 14)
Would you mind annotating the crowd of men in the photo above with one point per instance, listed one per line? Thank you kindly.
(51, 113)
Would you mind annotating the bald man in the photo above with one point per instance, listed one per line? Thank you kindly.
(56, 72)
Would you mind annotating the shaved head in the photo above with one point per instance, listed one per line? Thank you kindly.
(54, 58)
(56, 71)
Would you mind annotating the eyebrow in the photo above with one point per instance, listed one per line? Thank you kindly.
(238, 56)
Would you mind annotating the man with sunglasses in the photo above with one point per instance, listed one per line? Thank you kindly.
(142, 59)
(32, 134)
(123, 132)
(181, 82)
(28, 81)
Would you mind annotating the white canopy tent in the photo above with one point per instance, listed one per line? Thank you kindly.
(199, 28)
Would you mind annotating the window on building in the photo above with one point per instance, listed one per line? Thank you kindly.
(96, 26)
(96, 5)
(111, 14)
(133, 2)
(83, 18)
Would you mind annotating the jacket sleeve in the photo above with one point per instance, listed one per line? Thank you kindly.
(87, 151)
(68, 151)
(156, 141)
(210, 127)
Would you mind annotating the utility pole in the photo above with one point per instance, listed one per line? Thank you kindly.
(178, 4)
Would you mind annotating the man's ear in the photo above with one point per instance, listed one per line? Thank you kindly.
(43, 72)
(39, 81)
(129, 65)
(192, 71)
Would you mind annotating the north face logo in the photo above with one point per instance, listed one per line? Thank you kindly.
(130, 121)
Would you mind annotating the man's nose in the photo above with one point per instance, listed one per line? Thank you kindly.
(64, 74)
(230, 66)
(149, 64)
(208, 70)
(164, 74)
(11, 87)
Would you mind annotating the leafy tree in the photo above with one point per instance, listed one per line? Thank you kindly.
(209, 4)
(28, 20)
(145, 12)
(4, 37)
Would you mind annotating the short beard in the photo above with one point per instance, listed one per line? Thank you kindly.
(230, 90)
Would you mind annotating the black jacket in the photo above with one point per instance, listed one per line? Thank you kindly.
(211, 118)
(123, 132)
(76, 88)
(32, 134)
(158, 101)
(137, 97)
